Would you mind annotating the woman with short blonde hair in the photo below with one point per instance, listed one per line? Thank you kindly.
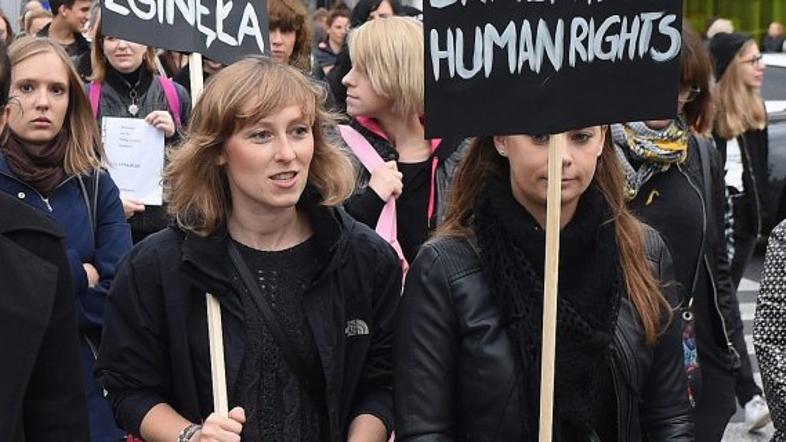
(385, 101)
(42, 16)
(393, 65)
(307, 294)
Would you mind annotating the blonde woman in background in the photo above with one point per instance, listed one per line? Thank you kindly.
(385, 101)
(740, 133)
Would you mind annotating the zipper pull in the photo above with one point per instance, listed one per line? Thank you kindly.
(48, 206)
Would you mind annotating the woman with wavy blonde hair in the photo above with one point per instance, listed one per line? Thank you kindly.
(740, 133)
(51, 158)
(307, 294)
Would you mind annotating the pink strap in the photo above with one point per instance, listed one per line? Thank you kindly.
(172, 100)
(95, 96)
(361, 147)
(386, 225)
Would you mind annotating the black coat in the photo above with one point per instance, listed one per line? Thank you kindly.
(727, 325)
(754, 147)
(454, 363)
(155, 343)
(41, 392)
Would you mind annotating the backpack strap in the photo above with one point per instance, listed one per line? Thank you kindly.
(361, 147)
(94, 93)
(91, 199)
(387, 226)
(172, 100)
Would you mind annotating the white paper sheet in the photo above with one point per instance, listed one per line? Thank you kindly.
(135, 151)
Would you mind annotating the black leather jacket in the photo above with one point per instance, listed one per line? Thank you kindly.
(454, 375)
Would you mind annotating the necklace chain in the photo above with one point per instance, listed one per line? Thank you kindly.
(133, 108)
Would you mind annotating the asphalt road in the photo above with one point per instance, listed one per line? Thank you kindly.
(747, 294)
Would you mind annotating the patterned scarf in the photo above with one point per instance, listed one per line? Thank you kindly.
(644, 151)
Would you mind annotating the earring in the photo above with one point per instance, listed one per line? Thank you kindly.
(503, 153)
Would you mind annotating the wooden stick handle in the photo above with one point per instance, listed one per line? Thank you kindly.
(551, 279)
(217, 368)
(195, 75)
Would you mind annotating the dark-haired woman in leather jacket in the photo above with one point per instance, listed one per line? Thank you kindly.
(467, 358)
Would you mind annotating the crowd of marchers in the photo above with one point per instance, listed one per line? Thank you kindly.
(373, 284)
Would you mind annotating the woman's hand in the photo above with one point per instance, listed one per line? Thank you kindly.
(222, 429)
(161, 120)
(386, 181)
(367, 428)
(92, 274)
(132, 206)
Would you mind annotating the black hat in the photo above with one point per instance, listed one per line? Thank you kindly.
(724, 47)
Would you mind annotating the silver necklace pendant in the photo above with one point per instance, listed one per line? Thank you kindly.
(133, 109)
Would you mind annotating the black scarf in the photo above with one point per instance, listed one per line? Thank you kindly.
(512, 248)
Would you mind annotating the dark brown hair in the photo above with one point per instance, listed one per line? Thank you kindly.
(336, 13)
(290, 15)
(643, 289)
(696, 71)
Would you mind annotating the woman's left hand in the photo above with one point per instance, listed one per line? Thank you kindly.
(161, 120)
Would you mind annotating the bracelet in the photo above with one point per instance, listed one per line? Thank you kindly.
(187, 433)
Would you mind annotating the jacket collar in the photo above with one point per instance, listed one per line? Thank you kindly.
(206, 259)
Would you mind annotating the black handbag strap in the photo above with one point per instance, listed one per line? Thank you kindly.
(309, 378)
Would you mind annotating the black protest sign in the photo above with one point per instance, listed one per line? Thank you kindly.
(498, 67)
(222, 30)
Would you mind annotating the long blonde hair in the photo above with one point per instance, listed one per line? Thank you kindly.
(236, 97)
(643, 289)
(84, 151)
(740, 107)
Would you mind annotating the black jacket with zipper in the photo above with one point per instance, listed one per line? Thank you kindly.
(155, 343)
(455, 376)
(715, 258)
(713, 262)
(754, 148)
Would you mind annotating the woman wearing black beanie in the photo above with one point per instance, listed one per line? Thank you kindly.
(740, 133)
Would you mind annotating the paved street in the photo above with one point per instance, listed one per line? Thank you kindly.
(747, 293)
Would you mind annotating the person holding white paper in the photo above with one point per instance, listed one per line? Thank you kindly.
(51, 158)
(124, 84)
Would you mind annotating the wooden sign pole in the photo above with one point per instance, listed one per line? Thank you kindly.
(217, 367)
(551, 279)
(214, 328)
(195, 72)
